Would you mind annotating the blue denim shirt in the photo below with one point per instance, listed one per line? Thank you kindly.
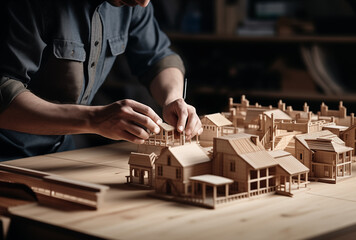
(63, 50)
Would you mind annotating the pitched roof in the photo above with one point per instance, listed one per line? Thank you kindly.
(142, 159)
(288, 162)
(212, 179)
(189, 154)
(329, 145)
(166, 127)
(341, 128)
(254, 154)
(258, 160)
(277, 114)
(218, 119)
(322, 134)
(241, 143)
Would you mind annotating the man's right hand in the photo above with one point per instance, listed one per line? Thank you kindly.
(125, 120)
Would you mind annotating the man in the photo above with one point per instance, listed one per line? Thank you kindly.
(58, 53)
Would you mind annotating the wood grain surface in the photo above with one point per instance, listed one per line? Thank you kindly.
(129, 213)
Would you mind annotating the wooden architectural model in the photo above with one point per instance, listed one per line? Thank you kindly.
(55, 190)
(214, 125)
(325, 154)
(142, 169)
(251, 150)
(176, 165)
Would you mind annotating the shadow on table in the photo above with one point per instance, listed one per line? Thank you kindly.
(341, 234)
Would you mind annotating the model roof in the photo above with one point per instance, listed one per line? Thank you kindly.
(189, 154)
(212, 179)
(253, 153)
(277, 114)
(329, 145)
(218, 119)
(341, 128)
(142, 159)
(166, 127)
(322, 134)
(258, 160)
(288, 162)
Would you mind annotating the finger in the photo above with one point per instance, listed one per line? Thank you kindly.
(182, 114)
(193, 120)
(131, 138)
(197, 130)
(135, 130)
(146, 110)
(144, 121)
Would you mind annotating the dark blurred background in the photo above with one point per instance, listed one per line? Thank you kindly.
(295, 50)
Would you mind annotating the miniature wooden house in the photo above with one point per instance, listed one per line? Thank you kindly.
(242, 158)
(325, 155)
(142, 169)
(176, 165)
(349, 137)
(214, 125)
(164, 138)
(292, 174)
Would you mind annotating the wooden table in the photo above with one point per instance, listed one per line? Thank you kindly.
(324, 211)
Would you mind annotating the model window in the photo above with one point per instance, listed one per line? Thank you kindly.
(232, 166)
(169, 160)
(159, 171)
(135, 172)
(178, 173)
(301, 156)
(326, 171)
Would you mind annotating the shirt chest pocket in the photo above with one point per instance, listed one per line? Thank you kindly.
(62, 78)
(69, 50)
(117, 46)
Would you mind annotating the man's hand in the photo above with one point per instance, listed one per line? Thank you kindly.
(126, 120)
(182, 116)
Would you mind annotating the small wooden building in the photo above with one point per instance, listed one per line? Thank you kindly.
(176, 165)
(242, 157)
(213, 126)
(325, 155)
(292, 174)
(142, 168)
(349, 137)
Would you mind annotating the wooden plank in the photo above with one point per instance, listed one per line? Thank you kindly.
(128, 213)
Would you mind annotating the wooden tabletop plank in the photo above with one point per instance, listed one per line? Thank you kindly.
(129, 213)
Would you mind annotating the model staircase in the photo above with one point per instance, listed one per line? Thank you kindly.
(285, 141)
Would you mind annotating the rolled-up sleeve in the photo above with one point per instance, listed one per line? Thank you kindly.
(21, 50)
(9, 89)
(149, 50)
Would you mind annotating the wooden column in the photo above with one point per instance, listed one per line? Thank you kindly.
(226, 190)
(193, 188)
(267, 176)
(214, 195)
(204, 191)
(258, 181)
(290, 184)
(298, 180)
(306, 179)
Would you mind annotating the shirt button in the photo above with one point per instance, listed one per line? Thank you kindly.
(96, 43)
(72, 53)
(92, 64)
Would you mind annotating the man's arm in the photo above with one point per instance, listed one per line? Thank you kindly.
(126, 119)
(167, 89)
